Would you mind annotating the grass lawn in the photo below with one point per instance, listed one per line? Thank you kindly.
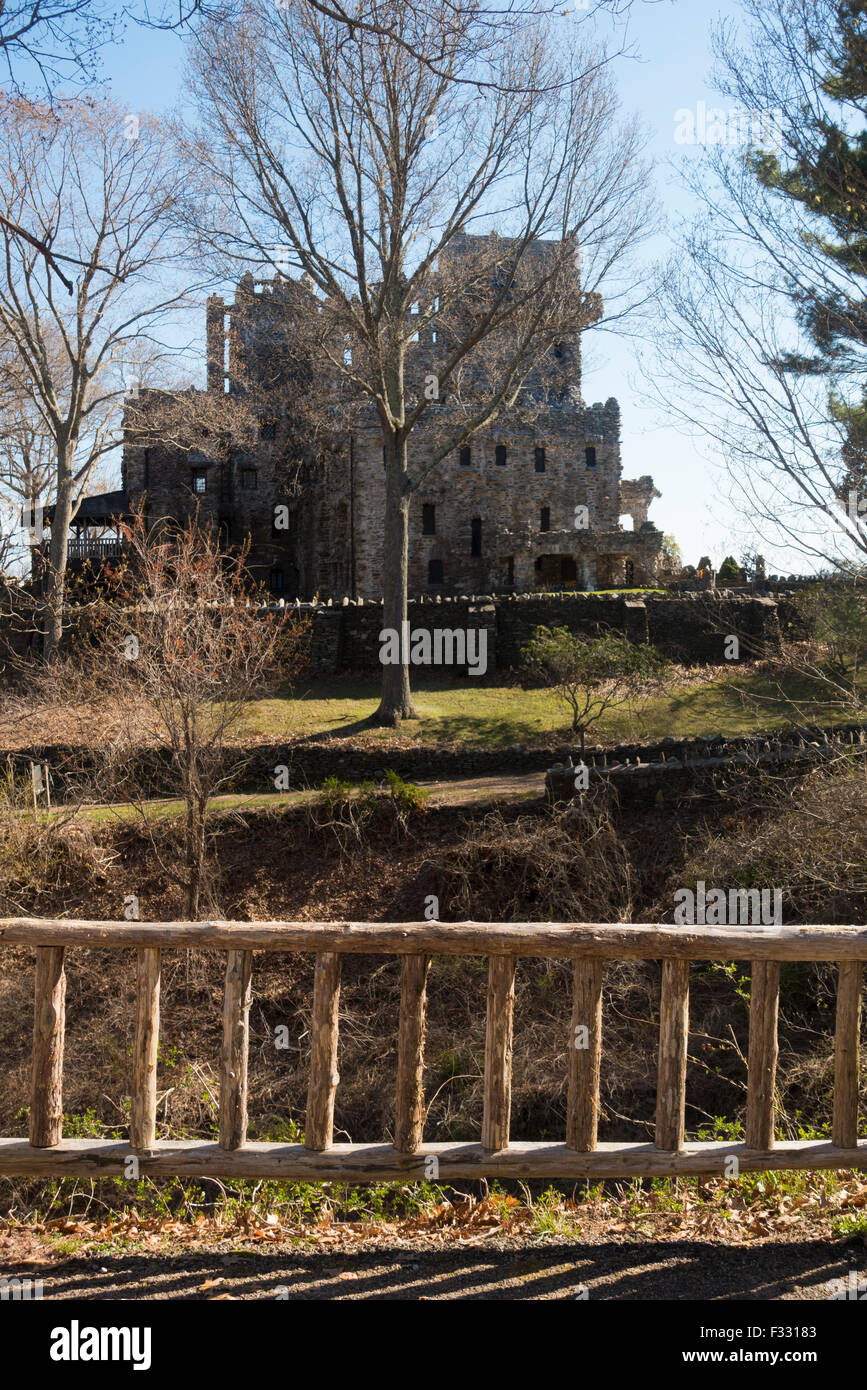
(488, 714)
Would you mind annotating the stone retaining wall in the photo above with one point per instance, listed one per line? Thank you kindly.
(633, 765)
(688, 627)
(666, 772)
(691, 628)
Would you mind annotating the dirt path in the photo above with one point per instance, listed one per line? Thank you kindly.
(464, 791)
(529, 786)
(497, 1269)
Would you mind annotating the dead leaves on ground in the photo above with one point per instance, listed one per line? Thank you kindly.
(719, 1210)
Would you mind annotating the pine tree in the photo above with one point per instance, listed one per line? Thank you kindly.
(730, 572)
(829, 179)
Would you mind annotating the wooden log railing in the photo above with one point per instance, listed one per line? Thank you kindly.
(588, 946)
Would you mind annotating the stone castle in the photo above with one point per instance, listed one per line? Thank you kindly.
(532, 502)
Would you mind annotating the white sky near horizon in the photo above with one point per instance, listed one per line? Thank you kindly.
(667, 68)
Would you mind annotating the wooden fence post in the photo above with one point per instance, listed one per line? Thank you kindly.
(409, 1104)
(319, 1128)
(764, 1047)
(235, 1050)
(143, 1118)
(498, 1053)
(582, 1113)
(847, 1054)
(49, 1022)
(673, 1039)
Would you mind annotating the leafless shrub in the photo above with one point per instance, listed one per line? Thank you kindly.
(42, 853)
(808, 837)
(178, 657)
(568, 867)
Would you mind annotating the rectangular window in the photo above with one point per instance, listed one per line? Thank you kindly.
(249, 480)
(590, 456)
(476, 536)
(510, 569)
(276, 580)
(545, 519)
(500, 456)
(428, 519)
(465, 456)
(268, 430)
(434, 571)
(540, 460)
(200, 483)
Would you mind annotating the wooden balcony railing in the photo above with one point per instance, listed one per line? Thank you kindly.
(408, 1156)
(96, 549)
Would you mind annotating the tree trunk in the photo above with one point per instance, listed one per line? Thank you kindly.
(196, 849)
(396, 697)
(54, 584)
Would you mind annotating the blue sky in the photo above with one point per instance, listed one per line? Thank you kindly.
(667, 69)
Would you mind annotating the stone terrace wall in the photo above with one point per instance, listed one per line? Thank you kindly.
(688, 627)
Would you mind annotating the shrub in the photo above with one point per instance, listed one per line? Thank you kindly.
(591, 675)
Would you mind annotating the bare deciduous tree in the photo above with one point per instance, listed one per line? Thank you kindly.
(177, 655)
(84, 175)
(25, 467)
(52, 38)
(371, 150)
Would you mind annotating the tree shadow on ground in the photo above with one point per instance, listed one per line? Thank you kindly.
(644, 1271)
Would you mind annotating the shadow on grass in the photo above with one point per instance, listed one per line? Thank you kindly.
(492, 713)
(754, 701)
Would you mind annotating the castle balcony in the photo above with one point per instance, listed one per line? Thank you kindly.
(89, 542)
(96, 548)
(94, 551)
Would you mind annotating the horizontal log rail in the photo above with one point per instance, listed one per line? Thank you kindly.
(588, 945)
(639, 941)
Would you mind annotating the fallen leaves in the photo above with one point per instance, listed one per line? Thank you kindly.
(720, 1210)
